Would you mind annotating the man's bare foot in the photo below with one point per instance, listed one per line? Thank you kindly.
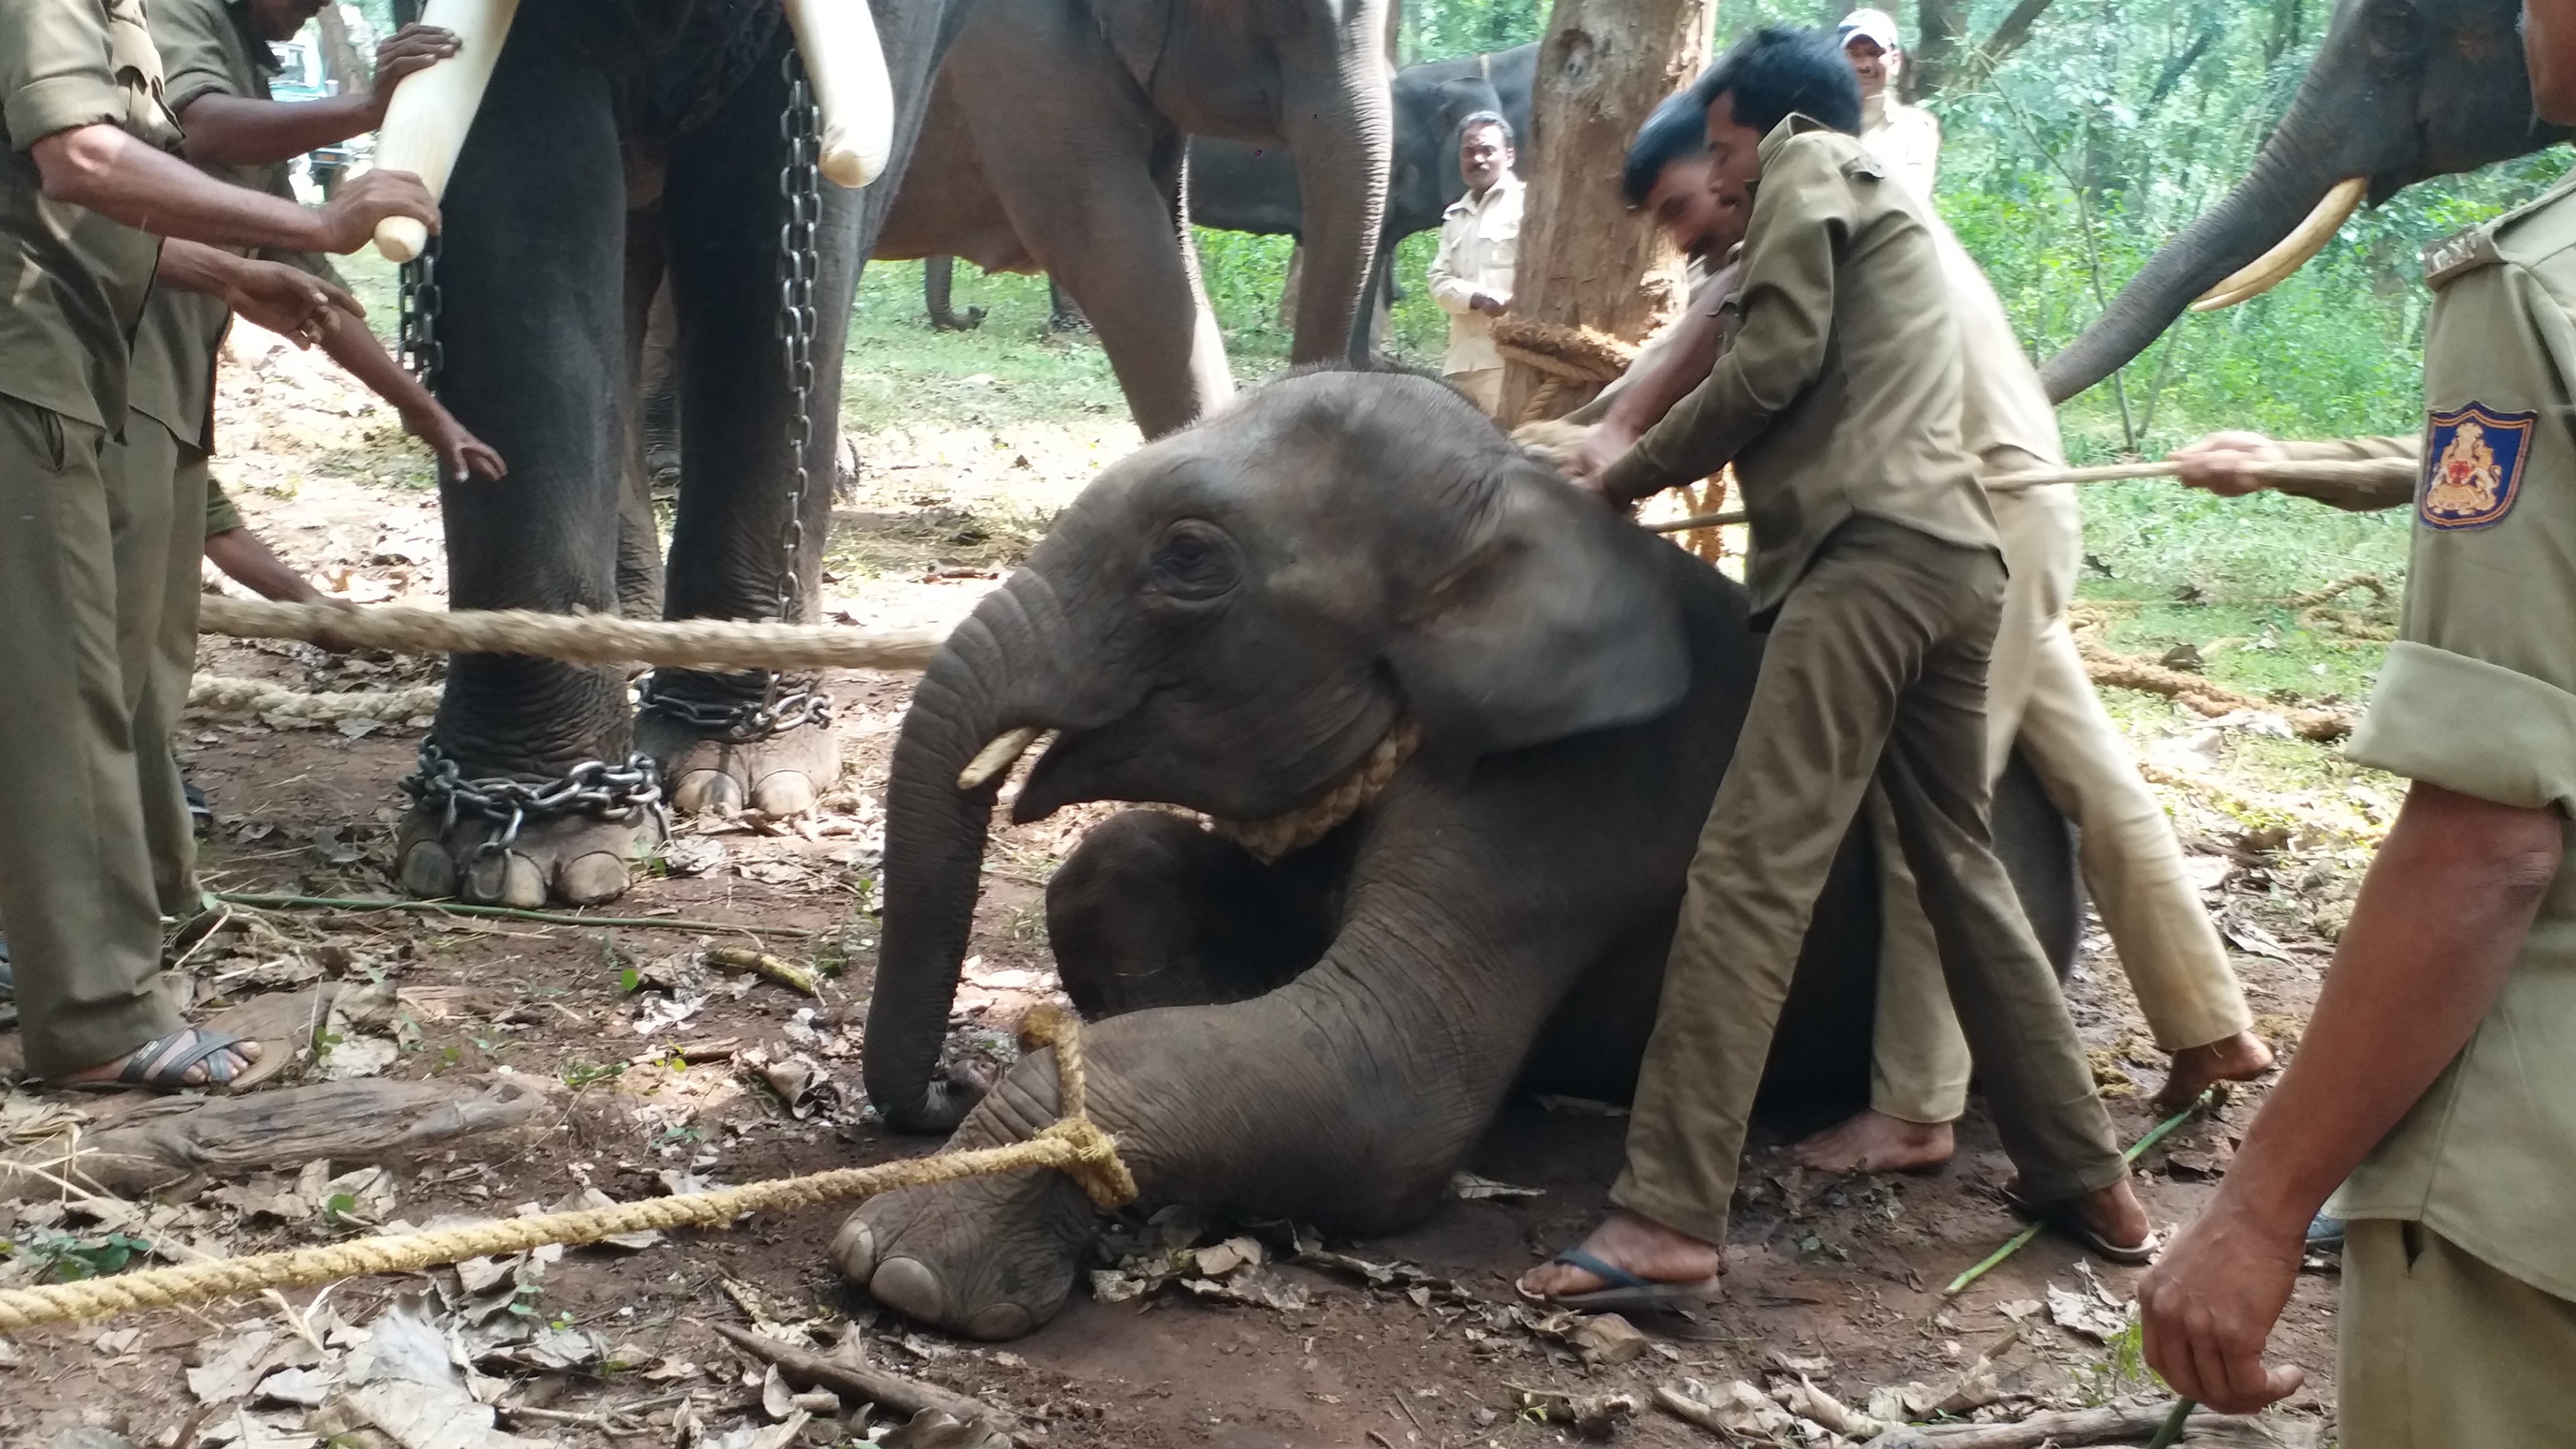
(2239, 1058)
(1875, 1142)
(162, 1073)
(1642, 1246)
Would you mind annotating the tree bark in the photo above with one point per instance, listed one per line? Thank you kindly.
(340, 57)
(1943, 27)
(1586, 260)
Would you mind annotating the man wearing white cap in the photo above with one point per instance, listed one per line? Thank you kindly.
(1907, 138)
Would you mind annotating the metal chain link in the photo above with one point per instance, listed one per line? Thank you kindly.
(419, 351)
(613, 794)
(785, 704)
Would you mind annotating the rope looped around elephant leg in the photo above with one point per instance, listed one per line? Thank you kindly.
(1072, 1145)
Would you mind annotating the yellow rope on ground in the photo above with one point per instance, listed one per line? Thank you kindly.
(1072, 1144)
(582, 638)
(225, 694)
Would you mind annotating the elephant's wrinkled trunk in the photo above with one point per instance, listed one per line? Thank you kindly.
(2282, 190)
(935, 833)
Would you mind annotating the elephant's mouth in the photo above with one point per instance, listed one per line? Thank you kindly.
(1294, 831)
(1268, 839)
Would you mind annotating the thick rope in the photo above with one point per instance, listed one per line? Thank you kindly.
(582, 638)
(1072, 1145)
(224, 694)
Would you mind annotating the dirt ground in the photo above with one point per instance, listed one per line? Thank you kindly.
(665, 1075)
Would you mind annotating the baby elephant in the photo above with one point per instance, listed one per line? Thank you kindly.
(1454, 727)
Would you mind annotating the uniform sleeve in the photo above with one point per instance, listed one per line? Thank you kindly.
(2358, 495)
(221, 516)
(197, 40)
(1802, 214)
(2479, 692)
(1452, 291)
(55, 73)
(311, 264)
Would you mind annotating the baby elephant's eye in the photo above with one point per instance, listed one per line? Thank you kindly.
(1194, 560)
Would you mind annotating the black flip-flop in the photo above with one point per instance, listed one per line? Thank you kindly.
(2062, 1217)
(1625, 1291)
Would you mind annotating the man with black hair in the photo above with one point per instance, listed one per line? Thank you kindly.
(1877, 574)
(1471, 274)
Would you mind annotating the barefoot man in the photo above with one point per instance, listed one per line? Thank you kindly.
(1877, 573)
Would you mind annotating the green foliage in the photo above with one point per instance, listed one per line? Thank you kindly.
(1439, 29)
(65, 1258)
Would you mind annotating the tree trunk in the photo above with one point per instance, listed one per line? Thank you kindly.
(1586, 260)
(1943, 25)
(340, 57)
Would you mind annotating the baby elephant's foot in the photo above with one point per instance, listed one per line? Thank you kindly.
(989, 1258)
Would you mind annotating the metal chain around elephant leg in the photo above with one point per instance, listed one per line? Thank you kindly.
(418, 349)
(785, 704)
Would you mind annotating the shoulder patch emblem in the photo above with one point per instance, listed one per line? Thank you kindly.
(2473, 467)
(2459, 252)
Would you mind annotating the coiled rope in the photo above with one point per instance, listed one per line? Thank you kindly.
(1072, 1145)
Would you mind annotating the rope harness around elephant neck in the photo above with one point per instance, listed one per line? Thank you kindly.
(1281, 834)
(1072, 1144)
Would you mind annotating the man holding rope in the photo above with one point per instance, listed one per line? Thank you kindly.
(2437, 1079)
(81, 562)
(1877, 573)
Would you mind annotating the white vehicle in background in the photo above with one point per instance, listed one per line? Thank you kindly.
(300, 77)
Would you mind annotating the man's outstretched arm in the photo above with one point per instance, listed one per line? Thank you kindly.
(110, 172)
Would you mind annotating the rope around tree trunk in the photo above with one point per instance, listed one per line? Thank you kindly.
(1072, 1144)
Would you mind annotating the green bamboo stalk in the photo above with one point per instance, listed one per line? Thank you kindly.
(2020, 1240)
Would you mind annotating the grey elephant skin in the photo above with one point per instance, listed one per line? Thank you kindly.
(2401, 90)
(1234, 186)
(1238, 620)
(1056, 139)
(622, 142)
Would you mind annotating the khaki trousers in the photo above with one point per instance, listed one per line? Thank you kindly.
(1876, 666)
(2038, 692)
(2439, 1350)
(157, 502)
(1483, 387)
(76, 888)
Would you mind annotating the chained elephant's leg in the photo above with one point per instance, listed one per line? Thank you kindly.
(757, 448)
(530, 325)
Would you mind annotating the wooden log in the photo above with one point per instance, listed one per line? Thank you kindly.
(2105, 1426)
(426, 122)
(856, 1383)
(368, 1122)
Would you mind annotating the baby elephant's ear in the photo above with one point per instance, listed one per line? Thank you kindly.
(1560, 618)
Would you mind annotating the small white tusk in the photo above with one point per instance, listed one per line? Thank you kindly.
(426, 121)
(845, 63)
(992, 761)
(2291, 252)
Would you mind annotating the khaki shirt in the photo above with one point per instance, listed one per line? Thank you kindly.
(1480, 243)
(2479, 696)
(72, 282)
(208, 48)
(1907, 138)
(221, 515)
(1838, 392)
(2354, 450)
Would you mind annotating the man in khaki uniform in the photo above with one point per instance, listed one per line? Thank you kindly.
(2437, 1081)
(1876, 571)
(1471, 274)
(216, 58)
(81, 99)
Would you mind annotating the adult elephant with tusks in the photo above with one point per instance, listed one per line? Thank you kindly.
(620, 142)
(2401, 90)
(1459, 727)
(1056, 142)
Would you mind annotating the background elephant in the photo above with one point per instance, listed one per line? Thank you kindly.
(1479, 722)
(1234, 186)
(622, 142)
(1055, 142)
(2401, 90)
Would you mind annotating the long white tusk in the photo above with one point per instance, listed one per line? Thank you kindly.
(2291, 252)
(426, 122)
(994, 759)
(845, 62)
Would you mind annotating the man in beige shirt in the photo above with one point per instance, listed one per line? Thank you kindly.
(1907, 138)
(1471, 275)
(1877, 576)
